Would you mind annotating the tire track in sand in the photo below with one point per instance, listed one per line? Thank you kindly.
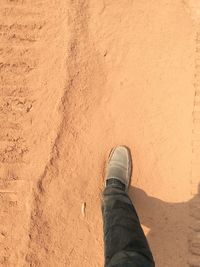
(194, 231)
(16, 65)
(27, 60)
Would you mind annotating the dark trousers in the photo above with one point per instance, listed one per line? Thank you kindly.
(124, 239)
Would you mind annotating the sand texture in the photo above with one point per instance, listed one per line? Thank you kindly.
(77, 78)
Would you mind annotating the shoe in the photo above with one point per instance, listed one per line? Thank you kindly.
(119, 167)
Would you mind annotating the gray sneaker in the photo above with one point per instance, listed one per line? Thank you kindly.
(119, 166)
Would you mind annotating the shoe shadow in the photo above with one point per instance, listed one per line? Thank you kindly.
(170, 225)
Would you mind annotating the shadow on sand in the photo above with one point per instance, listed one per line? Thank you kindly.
(170, 226)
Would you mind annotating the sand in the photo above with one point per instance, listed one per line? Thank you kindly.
(77, 78)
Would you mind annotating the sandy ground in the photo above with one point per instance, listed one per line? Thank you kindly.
(77, 78)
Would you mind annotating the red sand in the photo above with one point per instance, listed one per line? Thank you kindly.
(77, 78)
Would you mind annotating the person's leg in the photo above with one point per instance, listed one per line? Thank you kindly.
(124, 240)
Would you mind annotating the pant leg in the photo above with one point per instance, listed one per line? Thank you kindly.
(124, 240)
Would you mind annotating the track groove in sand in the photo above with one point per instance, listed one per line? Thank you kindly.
(77, 69)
